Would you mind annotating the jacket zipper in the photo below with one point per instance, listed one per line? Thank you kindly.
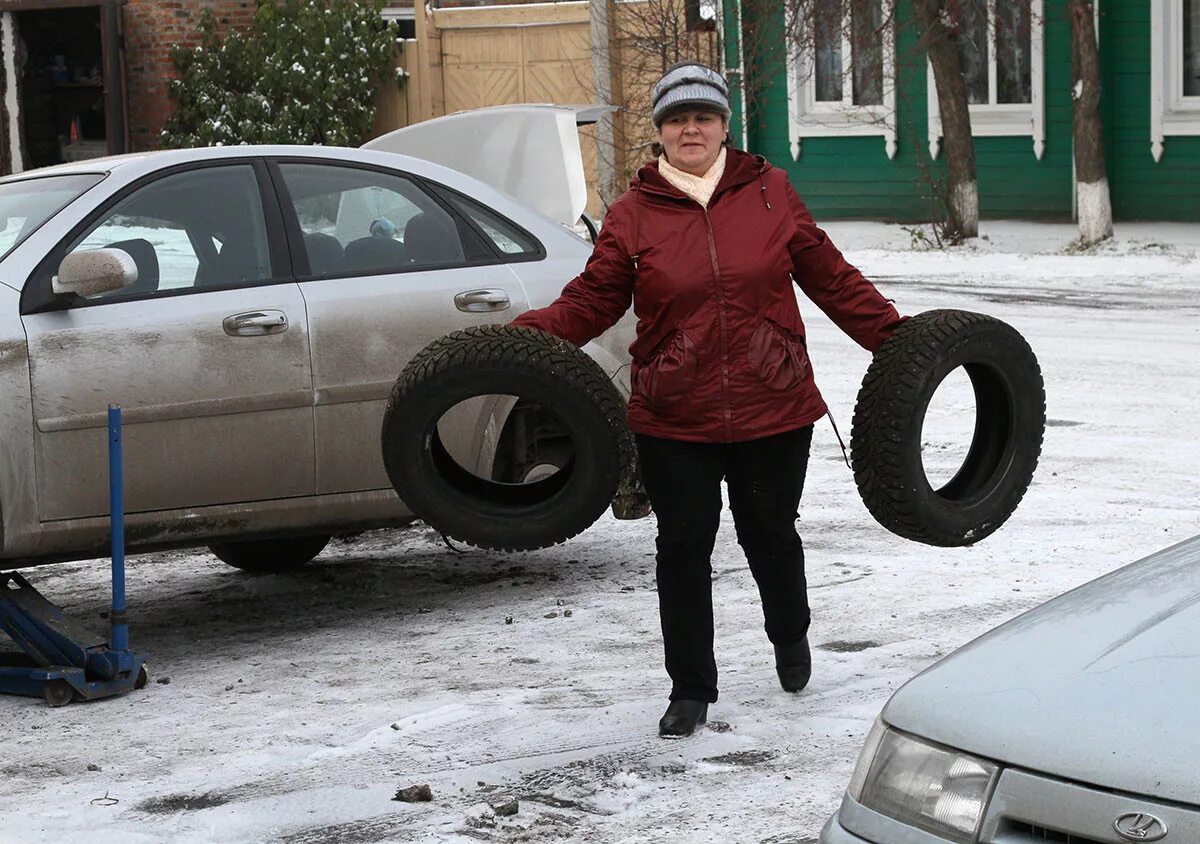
(712, 252)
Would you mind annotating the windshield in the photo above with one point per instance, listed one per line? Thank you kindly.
(26, 204)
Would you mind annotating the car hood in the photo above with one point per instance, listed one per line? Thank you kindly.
(1100, 685)
(530, 152)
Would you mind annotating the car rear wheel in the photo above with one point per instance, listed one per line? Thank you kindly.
(270, 556)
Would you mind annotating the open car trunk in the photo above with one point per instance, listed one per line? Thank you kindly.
(530, 152)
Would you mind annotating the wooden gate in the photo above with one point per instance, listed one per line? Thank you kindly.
(474, 57)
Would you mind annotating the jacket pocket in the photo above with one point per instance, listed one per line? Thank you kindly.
(669, 373)
(778, 356)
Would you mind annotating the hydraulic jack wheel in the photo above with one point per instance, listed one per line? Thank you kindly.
(63, 661)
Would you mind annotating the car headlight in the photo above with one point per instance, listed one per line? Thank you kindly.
(939, 791)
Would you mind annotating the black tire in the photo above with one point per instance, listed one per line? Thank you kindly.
(270, 556)
(537, 367)
(1010, 420)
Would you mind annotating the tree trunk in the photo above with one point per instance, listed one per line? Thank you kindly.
(1091, 178)
(599, 17)
(962, 190)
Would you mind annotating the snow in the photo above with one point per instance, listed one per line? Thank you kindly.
(298, 705)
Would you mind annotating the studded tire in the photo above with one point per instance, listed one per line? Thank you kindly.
(1010, 403)
(505, 360)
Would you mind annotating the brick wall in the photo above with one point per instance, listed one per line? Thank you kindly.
(152, 28)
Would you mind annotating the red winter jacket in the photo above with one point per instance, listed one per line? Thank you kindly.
(720, 352)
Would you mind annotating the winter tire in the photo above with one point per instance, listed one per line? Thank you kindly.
(536, 367)
(1010, 419)
(270, 556)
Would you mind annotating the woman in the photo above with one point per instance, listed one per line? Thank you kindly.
(706, 245)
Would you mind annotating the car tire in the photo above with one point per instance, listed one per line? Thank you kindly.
(270, 556)
(537, 367)
(1010, 420)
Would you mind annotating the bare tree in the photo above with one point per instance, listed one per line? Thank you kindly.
(939, 26)
(600, 13)
(643, 40)
(1091, 178)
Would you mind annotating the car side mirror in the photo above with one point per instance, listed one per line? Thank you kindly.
(95, 271)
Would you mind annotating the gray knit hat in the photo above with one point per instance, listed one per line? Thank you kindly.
(690, 84)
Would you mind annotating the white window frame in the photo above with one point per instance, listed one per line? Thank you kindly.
(810, 118)
(1171, 113)
(998, 120)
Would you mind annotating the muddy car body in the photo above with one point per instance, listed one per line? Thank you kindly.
(272, 296)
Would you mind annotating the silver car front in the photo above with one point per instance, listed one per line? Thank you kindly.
(1075, 722)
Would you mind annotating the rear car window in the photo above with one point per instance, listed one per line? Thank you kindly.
(504, 234)
(358, 221)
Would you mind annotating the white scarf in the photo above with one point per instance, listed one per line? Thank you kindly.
(699, 188)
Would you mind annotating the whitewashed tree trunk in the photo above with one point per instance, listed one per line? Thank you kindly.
(962, 188)
(1092, 199)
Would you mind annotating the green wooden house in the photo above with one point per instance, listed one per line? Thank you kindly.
(852, 112)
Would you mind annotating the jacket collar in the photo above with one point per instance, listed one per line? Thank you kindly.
(740, 168)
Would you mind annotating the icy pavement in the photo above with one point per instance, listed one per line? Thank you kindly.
(298, 705)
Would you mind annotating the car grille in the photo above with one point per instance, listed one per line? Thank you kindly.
(1040, 833)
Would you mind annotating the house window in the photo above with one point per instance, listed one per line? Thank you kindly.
(1000, 49)
(995, 47)
(841, 72)
(1174, 71)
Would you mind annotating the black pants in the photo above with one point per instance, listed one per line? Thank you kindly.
(683, 480)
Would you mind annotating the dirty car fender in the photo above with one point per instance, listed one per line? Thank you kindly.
(18, 490)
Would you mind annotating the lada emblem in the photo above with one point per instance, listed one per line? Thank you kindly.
(1139, 826)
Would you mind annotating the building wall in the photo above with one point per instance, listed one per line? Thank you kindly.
(852, 177)
(844, 177)
(1141, 188)
(1012, 181)
(152, 28)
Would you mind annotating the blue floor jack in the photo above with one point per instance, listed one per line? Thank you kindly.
(63, 661)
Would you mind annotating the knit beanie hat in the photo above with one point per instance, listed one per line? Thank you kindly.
(689, 85)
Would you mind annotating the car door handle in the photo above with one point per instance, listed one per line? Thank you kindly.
(255, 323)
(479, 301)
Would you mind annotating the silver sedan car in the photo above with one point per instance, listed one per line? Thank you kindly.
(249, 309)
(1076, 722)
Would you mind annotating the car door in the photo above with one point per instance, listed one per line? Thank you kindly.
(207, 353)
(386, 265)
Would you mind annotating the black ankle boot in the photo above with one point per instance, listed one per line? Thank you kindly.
(683, 717)
(793, 664)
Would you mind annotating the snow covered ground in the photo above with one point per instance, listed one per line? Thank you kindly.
(298, 705)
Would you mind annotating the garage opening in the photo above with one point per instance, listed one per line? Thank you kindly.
(68, 103)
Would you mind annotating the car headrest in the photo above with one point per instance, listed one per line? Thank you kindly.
(430, 240)
(143, 254)
(375, 254)
(325, 254)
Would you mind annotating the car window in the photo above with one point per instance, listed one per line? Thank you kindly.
(191, 230)
(504, 234)
(357, 222)
(26, 204)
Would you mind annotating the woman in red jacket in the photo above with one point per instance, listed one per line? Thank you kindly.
(706, 245)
